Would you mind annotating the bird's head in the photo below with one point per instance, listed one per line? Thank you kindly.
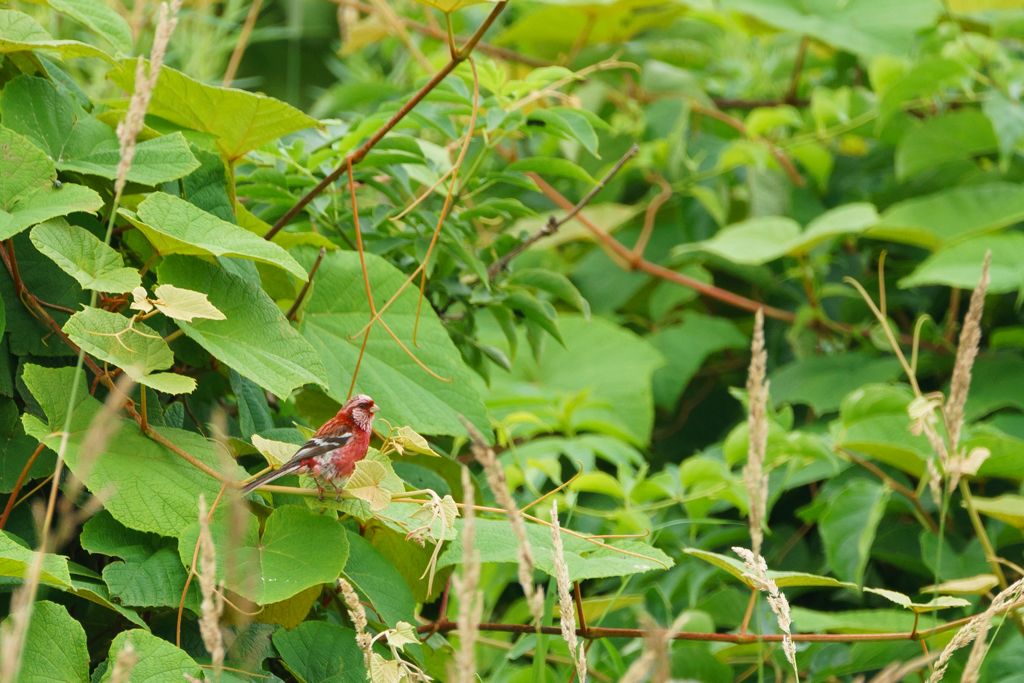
(362, 410)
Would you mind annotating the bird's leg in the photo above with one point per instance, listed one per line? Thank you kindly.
(319, 489)
(337, 496)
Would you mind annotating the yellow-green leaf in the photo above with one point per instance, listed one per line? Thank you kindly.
(365, 484)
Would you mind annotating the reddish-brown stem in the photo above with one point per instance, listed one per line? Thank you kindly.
(579, 609)
(444, 600)
(798, 67)
(733, 122)
(18, 484)
(750, 611)
(625, 254)
(595, 632)
(360, 154)
(305, 288)
(650, 215)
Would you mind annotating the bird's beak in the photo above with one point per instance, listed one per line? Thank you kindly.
(374, 409)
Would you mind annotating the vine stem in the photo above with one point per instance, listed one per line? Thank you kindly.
(19, 483)
(360, 154)
(596, 632)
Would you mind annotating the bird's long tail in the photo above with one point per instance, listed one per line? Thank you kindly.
(271, 476)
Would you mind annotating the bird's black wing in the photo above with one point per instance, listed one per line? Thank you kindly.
(319, 445)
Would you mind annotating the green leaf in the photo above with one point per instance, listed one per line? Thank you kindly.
(861, 621)
(16, 558)
(864, 27)
(130, 345)
(296, 550)
(365, 484)
(849, 525)
(952, 215)
(1007, 508)
(737, 569)
(21, 33)
(84, 257)
(874, 422)
(941, 602)
(995, 384)
(823, 381)
(156, 581)
(685, 347)
(175, 226)
(553, 283)
(406, 394)
(133, 470)
(1007, 119)
(255, 339)
(959, 265)
(27, 193)
(957, 135)
(926, 78)
(610, 365)
(379, 581)
(321, 652)
(55, 647)
(158, 662)
(551, 166)
(99, 17)
(496, 543)
(536, 311)
(757, 241)
(253, 412)
(77, 141)
(241, 120)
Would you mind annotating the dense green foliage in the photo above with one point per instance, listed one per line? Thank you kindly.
(785, 152)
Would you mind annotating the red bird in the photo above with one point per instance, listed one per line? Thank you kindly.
(332, 453)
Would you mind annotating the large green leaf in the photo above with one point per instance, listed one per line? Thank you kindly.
(84, 257)
(150, 576)
(98, 16)
(995, 384)
(158, 660)
(405, 392)
(864, 27)
(737, 569)
(175, 226)
(321, 652)
(685, 347)
(951, 215)
(379, 581)
(55, 647)
(21, 33)
(959, 265)
(1008, 508)
(241, 120)
(130, 345)
(823, 381)
(862, 621)
(608, 363)
(27, 192)
(757, 241)
(955, 136)
(133, 471)
(925, 78)
(297, 549)
(496, 543)
(15, 559)
(255, 339)
(849, 525)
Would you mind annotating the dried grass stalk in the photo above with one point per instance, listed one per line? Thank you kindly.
(212, 606)
(897, 671)
(565, 600)
(14, 631)
(135, 118)
(470, 599)
(126, 660)
(358, 616)
(757, 572)
(757, 421)
(499, 486)
(966, 352)
(975, 629)
(656, 651)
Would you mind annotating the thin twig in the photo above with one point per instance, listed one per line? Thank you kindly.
(360, 154)
(794, 78)
(18, 484)
(243, 41)
(552, 226)
(305, 288)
